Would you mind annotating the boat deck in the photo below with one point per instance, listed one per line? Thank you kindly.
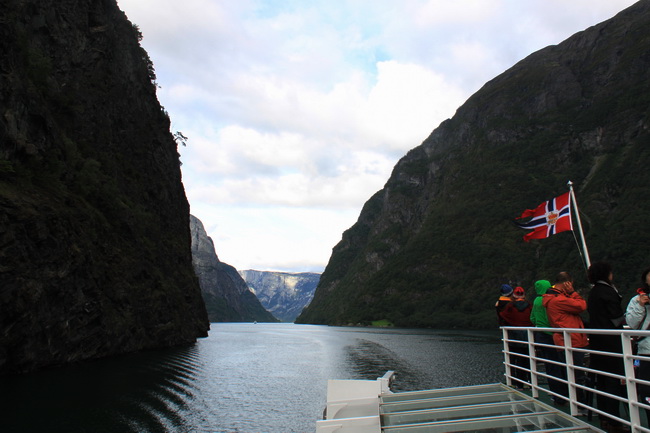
(494, 408)
(367, 406)
(481, 408)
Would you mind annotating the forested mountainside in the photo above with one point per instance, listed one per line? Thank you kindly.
(95, 255)
(227, 297)
(284, 294)
(433, 246)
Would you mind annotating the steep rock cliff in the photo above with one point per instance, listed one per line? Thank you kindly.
(227, 297)
(433, 246)
(95, 253)
(282, 293)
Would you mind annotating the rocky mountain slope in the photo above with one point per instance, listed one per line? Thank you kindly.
(434, 245)
(95, 253)
(283, 294)
(227, 297)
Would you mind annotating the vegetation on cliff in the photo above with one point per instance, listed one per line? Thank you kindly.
(432, 248)
(94, 241)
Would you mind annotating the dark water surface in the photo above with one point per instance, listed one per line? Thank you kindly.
(247, 378)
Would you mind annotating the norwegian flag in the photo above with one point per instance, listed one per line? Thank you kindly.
(549, 218)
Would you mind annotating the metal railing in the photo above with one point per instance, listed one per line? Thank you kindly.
(630, 401)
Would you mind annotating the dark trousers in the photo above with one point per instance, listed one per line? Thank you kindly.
(521, 376)
(580, 376)
(554, 370)
(608, 384)
(644, 390)
(520, 361)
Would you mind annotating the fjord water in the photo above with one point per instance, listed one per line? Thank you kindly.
(246, 378)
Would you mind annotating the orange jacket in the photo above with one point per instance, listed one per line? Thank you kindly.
(563, 311)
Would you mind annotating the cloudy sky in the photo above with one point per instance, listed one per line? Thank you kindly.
(296, 111)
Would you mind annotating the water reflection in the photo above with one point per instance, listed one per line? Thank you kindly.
(369, 360)
(242, 378)
(143, 392)
(425, 359)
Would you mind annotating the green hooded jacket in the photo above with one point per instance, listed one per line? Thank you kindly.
(538, 313)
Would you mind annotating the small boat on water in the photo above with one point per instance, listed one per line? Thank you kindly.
(369, 406)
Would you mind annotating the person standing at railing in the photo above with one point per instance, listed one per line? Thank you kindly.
(637, 316)
(563, 308)
(539, 318)
(505, 298)
(517, 313)
(605, 312)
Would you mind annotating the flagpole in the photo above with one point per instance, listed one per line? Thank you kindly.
(582, 235)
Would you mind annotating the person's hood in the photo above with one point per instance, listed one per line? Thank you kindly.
(521, 304)
(542, 286)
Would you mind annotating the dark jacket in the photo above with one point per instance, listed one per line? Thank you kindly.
(499, 306)
(605, 312)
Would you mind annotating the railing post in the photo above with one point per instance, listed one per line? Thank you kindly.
(570, 373)
(631, 399)
(628, 362)
(533, 363)
(507, 357)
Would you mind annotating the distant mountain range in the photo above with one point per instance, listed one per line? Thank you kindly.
(227, 297)
(283, 294)
(432, 248)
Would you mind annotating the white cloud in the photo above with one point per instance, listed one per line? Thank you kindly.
(457, 13)
(330, 149)
(407, 103)
(296, 111)
(284, 239)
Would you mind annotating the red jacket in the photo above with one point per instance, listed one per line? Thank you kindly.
(563, 311)
(516, 313)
